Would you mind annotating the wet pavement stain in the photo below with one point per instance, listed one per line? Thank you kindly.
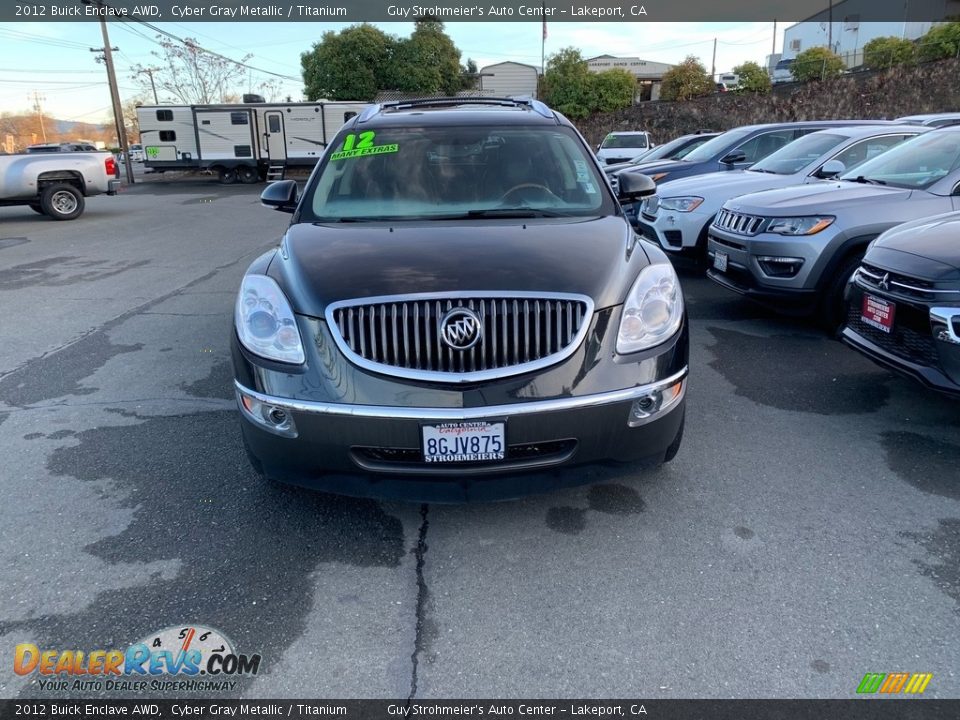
(566, 520)
(820, 666)
(59, 374)
(13, 242)
(62, 271)
(944, 545)
(249, 551)
(930, 465)
(744, 533)
(823, 376)
(217, 384)
(615, 500)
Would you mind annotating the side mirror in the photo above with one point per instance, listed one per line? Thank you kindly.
(631, 186)
(831, 169)
(280, 195)
(734, 157)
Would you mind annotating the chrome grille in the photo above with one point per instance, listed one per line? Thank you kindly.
(738, 223)
(400, 335)
(871, 276)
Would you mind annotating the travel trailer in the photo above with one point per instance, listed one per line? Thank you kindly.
(246, 142)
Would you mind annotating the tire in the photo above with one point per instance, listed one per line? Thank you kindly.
(830, 311)
(228, 176)
(674, 447)
(36, 208)
(61, 201)
(248, 175)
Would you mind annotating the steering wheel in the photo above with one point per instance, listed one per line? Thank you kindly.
(530, 186)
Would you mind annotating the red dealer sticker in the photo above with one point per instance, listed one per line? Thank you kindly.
(878, 313)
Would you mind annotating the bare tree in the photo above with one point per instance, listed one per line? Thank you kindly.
(190, 74)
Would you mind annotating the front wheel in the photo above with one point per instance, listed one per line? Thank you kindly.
(831, 312)
(61, 202)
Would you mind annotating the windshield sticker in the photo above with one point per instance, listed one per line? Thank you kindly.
(582, 174)
(365, 147)
(590, 188)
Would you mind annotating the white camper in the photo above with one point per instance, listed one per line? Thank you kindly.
(248, 142)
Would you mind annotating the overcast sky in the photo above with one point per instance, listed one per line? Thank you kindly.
(54, 58)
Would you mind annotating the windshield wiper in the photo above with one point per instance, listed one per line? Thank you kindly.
(868, 181)
(510, 213)
(358, 219)
(762, 170)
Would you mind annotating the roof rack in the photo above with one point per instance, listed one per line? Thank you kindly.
(535, 105)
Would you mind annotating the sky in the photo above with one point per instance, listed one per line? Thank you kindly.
(54, 59)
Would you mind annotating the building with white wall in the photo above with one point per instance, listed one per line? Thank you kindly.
(509, 79)
(649, 74)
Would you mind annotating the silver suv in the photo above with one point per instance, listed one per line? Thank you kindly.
(796, 248)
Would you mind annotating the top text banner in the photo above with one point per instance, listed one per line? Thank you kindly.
(846, 15)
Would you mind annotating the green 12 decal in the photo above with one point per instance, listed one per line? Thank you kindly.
(361, 145)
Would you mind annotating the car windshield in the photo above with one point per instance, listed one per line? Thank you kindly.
(624, 141)
(914, 164)
(670, 151)
(446, 172)
(720, 144)
(794, 157)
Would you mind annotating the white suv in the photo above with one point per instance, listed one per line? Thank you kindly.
(618, 147)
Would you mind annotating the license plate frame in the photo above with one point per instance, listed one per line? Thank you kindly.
(721, 261)
(453, 442)
(878, 312)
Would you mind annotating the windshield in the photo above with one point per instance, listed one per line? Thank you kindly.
(670, 151)
(915, 164)
(795, 156)
(448, 172)
(624, 141)
(720, 144)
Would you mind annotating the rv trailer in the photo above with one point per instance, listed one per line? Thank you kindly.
(246, 142)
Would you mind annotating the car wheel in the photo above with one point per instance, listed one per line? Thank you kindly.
(61, 201)
(228, 176)
(674, 447)
(830, 313)
(248, 175)
(36, 208)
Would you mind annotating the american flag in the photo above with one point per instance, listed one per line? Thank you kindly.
(544, 20)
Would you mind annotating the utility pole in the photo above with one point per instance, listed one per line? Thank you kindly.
(773, 50)
(107, 51)
(830, 28)
(713, 63)
(150, 72)
(38, 106)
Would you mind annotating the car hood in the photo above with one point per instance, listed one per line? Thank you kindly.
(658, 166)
(732, 183)
(321, 264)
(824, 198)
(930, 244)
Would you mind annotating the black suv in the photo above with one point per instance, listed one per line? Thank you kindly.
(903, 302)
(457, 302)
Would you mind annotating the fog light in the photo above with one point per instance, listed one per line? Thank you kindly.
(778, 266)
(271, 418)
(652, 405)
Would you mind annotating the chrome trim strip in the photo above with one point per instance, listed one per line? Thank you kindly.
(946, 315)
(464, 377)
(454, 414)
(874, 281)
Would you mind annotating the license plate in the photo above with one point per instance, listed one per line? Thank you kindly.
(877, 312)
(720, 261)
(463, 442)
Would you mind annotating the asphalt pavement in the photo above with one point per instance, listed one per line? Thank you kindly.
(807, 533)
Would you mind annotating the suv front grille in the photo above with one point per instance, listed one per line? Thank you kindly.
(738, 223)
(875, 277)
(401, 335)
(911, 338)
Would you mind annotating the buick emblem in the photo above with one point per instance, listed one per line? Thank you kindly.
(884, 282)
(461, 328)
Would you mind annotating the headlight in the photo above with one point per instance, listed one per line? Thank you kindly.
(653, 310)
(681, 204)
(265, 322)
(800, 225)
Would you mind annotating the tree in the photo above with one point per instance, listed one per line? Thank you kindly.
(354, 64)
(885, 52)
(613, 89)
(816, 63)
(469, 75)
(427, 62)
(130, 120)
(568, 85)
(687, 80)
(752, 78)
(191, 74)
(942, 41)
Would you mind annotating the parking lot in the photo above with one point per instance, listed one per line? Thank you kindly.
(807, 533)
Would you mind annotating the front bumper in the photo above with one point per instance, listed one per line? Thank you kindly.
(362, 435)
(677, 233)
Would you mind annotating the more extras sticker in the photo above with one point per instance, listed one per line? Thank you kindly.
(354, 149)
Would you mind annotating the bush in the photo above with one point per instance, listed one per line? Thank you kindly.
(817, 63)
(753, 78)
(613, 89)
(687, 80)
(885, 52)
(943, 41)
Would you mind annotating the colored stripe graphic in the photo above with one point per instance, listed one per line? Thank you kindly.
(871, 682)
(894, 683)
(918, 683)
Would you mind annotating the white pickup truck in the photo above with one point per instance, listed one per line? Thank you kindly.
(55, 184)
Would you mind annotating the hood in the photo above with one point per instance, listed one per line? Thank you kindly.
(657, 166)
(931, 244)
(328, 263)
(826, 198)
(732, 183)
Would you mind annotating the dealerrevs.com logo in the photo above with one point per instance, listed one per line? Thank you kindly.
(172, 659)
